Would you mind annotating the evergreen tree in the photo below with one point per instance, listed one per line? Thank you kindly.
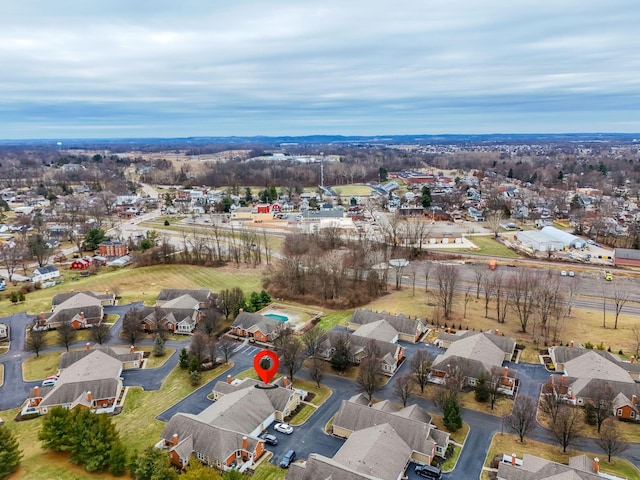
(425, 199)
(158, 346)
(54, 433)
(183, 358)
(451, 414)
(341, 357)
(265, 298)
(10, 453)
(481, 390)
(152, 464)
(118, 459)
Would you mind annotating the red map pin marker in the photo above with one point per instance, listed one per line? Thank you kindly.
(266, 364)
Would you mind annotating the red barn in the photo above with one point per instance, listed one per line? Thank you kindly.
(81, 263)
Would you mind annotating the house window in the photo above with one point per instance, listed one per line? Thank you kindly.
(200, 457)
(633, 414)
(619, 412)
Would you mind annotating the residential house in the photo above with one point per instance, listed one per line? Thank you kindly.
(113, 248)
(106, 299)
(93, 382)
(128, 357)
(43, 274)
(203, 296)
(587, 373)
(81, 309)
(225, 434)
(83, 263)
(412, 424)
(408, 329)
(531, 467)
(4, 331)
(374, 453)
(474, 354)
(175, 320)
(391, 354)
(256, 327)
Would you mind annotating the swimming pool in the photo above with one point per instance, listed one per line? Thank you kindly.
(275, 316)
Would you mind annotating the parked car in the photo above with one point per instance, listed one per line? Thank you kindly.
(571, 273)
(563, 273)
(283, 428)
(428, 471)
(49, 382)
(607, 276)
(269, 439)
(288, 459)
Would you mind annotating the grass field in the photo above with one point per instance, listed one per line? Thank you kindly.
(508, 444)
(39, 368)
(487, 245)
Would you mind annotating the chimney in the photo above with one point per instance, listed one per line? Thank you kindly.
(633, 359)
(448, 330)
(505, 372)
(241, 310)
(41, 315)
(285, 382)
(497, 332)
(596, 465)
(87, 346)
(634, 399)
(513, 459)
(571, 343)
(245, 443)
(82, 315)
(175, 439)
(563, 379)
(228, 378)
(132, 349)
(36, 391)
(89, 397)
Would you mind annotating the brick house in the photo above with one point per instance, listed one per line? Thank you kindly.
(408, 329)
(257, 327)
(113, 248)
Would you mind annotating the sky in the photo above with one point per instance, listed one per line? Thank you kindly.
(156, 68)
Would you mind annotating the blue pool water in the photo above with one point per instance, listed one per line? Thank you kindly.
(275, 316)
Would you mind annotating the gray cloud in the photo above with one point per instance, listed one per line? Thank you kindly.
(160, 68)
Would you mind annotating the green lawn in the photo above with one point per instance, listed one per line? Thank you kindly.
(143, 284)
(302, 415)
(38, 368)
(269, 471)
(488, 246)
(330, 320)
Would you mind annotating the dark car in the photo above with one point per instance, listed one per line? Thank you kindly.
(269, 439)
(288, 458)
(428, 471)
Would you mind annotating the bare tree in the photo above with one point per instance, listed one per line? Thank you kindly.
(549, 300)
(522, 420)
(493, 222)
(427, 272)
(403, 387)
(599, 406)
(198, 346)
(447, 277)
(131, 325)
(467, 299)
(316, 370)
(635, 332)
(524, 297)
(550, 400)
(619, 297)
(502, 297)
(479, 272)
(12, 255)
(226, 348)
(420, 368)
(100, 333)
(290, 351)
(36, 341)
(610, 440)
(369, 376)
(488, 289)
(66, 334)
(311, 340)
(567, 426)
(494, 385)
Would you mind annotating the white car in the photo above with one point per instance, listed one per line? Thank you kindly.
(283, 428)
(563, 273)
(571, 274)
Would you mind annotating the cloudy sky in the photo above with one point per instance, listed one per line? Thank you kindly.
(123, 68)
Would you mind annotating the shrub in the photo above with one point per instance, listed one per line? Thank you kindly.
(588, 346)
(166, 223)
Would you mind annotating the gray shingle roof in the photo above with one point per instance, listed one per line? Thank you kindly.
(319, 467)
(377, 451)
(166, 294)
(479, 352)
(278, 397)
(401, 323)
(97, 373)
(593, 365)
(379, 330)
(63, 297)
(121, 354)
(535, 468)
(255, 321)
(354, 416)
